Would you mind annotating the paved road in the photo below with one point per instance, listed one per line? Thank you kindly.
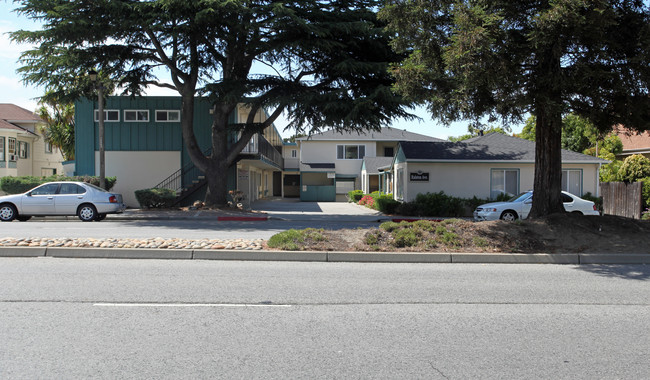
(187, 229)
(64, 318)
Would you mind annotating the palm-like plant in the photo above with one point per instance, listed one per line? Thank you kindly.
(59, 126)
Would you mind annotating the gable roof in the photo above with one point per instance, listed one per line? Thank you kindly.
(12, 112)
(372, 164)
(633, 142)
(491, 147)
(385, 134)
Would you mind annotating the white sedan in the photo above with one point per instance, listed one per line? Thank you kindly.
(519, 207)
(84, 200)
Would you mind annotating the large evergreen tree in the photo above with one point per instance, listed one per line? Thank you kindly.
(328, 62)
(503, 59)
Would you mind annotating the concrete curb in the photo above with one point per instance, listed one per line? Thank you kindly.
(321, 256)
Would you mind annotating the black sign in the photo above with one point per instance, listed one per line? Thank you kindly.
(419, 177)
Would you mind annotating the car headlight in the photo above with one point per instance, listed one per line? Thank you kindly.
(490, 209)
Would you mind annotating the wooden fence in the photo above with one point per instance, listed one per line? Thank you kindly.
(622, 199)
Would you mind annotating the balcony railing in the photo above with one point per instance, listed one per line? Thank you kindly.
(259, 145)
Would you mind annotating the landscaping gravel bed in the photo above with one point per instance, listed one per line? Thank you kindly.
(242, 244)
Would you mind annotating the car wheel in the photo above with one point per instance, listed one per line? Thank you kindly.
(22, 218)
(509, 216)
(87, 212)
(8, 212)
(100, 217)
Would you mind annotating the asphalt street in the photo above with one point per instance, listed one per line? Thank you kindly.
(67, 318)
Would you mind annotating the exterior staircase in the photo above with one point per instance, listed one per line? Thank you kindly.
(185, 182)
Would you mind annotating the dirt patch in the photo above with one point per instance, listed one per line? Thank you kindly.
(559, 233)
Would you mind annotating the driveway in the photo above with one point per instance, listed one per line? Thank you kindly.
(294, 209)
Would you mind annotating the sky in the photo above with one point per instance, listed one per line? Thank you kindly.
(12, 90)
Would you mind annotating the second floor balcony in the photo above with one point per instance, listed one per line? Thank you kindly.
(260, 147)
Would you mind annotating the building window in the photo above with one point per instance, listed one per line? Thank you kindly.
(2, 149)
(136, 115)
(294, 153)
(22, 149)
(168, 116)
(11, 148)
(388, 151)
(350, 152)
(48, 147)
(572, 181)
(109, 115)
(344, 185)
(504, 182)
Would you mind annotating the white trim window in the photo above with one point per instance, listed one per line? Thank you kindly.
(111, 116)
(48, 147)
(136, 116)
(504, 181)
(2, 148)
(11, 148)
(294, 153)
(23, 149)
(168, 116)
(572, 181)
(350, 152)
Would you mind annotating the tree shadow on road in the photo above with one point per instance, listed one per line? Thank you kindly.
(628, 272)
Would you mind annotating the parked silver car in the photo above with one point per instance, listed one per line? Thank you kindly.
(519, 207)
(87, 201)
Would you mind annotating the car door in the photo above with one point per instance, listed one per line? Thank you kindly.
(70, 196)
(40, 201)
(568, 203)
(526, 205)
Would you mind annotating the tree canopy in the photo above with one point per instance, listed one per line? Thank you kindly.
(503, 59)
(325, 62)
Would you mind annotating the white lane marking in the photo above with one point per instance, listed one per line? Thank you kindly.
(184, 305)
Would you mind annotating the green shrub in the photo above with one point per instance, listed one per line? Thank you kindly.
(389, 226)
(406, 237)
(355, 195)
(286, 240)
(155, 198)
(387, 205)
(293, 240)
(18, 185)
(634, 168)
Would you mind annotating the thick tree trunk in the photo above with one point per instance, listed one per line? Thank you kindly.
(217, 171)
(548, 134)
(548, 165)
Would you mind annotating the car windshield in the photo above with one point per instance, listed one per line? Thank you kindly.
(521, 197)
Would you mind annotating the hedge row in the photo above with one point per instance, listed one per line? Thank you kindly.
(155, 198)
(19, 185)
(429, 204)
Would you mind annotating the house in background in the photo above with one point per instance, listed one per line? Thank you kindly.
(144, 149)
(23, 149)
(633, 143)
(485, 167)
(331, 162)
(291, 170)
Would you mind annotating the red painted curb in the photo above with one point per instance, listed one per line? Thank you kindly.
(242, 218)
